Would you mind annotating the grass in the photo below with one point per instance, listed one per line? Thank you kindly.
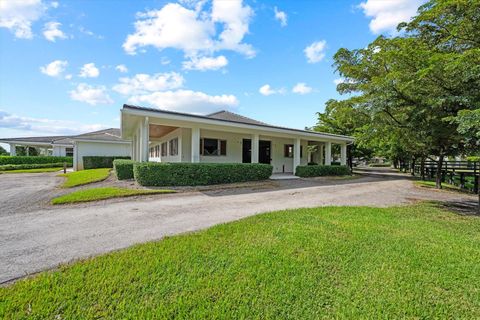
(78, 178)
(445, 186)
(103, 193)
(37, 170)
(336, 262)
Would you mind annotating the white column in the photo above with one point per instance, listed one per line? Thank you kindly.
(255, 148)
(343, 154)
(75, 157)
(145, 137)
(195, 145)
(328, 153)
(321, 157)
(13, 151)
(132, 146)
(296, 154)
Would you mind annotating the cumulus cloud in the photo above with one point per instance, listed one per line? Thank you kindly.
(51, 31)
(267, 90)
(121, 68)
(386, 15)
(54, 68)
(144, 83)
(195, 31)
(316, 51)
(205, 63)
(89, 71)
(186, 101)
(280, 16)
(302, 88)
(92, 95)
(18, 16)
(42, 126)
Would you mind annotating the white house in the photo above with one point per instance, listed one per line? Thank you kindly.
(167, 136)
(106, 142)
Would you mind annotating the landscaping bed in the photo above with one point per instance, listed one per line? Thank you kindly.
(334, 262)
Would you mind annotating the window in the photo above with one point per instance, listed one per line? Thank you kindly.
(288, 151)
(213, 147)
(164, 149)
(69, 152)
(174, 147)
(157, 151)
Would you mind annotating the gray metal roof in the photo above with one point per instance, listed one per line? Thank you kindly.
(45, 139)
(230, 116)
(110, 134)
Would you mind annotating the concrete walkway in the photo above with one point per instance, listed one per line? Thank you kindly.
(42, 239)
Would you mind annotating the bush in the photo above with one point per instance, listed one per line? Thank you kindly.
(8, 167)
(317, 171)
(95, 162)
(473, 158)
(192, 174)
(312, 164)
(123, 168)
(33, 160)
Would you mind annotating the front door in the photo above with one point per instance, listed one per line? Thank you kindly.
(247, 151)
(264, 151)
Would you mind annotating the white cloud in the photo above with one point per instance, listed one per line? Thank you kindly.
(89, 71)
(54, 68)
(145, 83)
(194, 31)
(386, 15)
(301, 88)
(205, 63)
(42, 126)
(92, 95)
(186, 101)
(18, 16)
(121, 68)
(54, 4)
(280, 16)
(51, 31)
(316, 51)
(267, 90)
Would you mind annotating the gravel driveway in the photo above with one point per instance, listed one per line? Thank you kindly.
(42, 239)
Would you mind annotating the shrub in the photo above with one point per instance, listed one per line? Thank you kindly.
(123, 168)
(95, 162)
(312, 164)
(8, 167)
(192, 174)
(320, 170)
(473, 158)
(4, 160)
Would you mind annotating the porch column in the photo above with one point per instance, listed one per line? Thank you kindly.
(144, 139)
(328, 153)
(195, 145)
(13, 151)
(75, 156)
(255, 148)
(321, 157)
(296, 154)
(132, 150)
(343, 154)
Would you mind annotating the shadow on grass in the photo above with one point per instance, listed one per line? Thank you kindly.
(464, 208)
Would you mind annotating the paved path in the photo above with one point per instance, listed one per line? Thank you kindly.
(42, 239)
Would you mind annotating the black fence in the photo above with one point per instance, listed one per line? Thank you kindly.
(464, 174)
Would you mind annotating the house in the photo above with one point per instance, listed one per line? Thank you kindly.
(167, 136)
(106, 142)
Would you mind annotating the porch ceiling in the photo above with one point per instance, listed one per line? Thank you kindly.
(158, 131)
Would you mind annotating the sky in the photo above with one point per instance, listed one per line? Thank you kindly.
(67, 67)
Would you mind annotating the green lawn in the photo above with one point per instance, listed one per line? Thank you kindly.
(445, 186)
(37, 170)
(78, 178)
(335, 262)
(103, 193)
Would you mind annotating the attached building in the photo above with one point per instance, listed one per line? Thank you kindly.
(167, 136)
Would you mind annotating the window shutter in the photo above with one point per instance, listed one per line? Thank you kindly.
(223, 147)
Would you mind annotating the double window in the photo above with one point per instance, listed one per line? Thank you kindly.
(174, 147)
(69, 152)
(288, 151)
(213, 147)
(164, 149)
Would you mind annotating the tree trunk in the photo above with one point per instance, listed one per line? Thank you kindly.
(412, 167)
(422, 168)
(438, 180)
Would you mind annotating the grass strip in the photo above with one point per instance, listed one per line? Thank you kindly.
(78, 178)
(95, 194)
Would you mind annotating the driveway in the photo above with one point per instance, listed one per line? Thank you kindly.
(42, 239)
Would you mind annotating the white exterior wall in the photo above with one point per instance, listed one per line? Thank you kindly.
(234, 146)
(279, 161)
(83, 149)
(59, 151)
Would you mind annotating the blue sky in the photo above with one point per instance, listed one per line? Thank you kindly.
(68, 66)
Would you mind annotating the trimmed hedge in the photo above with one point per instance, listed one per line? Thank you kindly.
(123, 168)
(8, 167)
(95, 162)
(4, 160)
(321, 170)
(193, 174)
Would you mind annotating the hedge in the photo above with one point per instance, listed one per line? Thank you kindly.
(123, 168)
(8, 167)
(4, 160)
(193, 174)
(320, 170)
(95, 162)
